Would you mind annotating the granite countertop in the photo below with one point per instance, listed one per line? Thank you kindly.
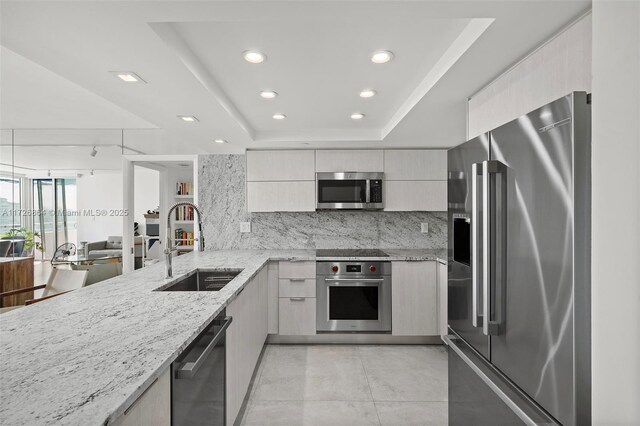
(84, 357)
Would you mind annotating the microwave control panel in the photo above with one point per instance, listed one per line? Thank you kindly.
(376, 191)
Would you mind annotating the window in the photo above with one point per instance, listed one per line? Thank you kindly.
(10, 216)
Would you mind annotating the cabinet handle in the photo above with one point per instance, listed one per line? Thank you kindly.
(297, 299)
(296, 279)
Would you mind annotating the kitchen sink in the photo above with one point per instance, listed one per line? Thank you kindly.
(204, 281)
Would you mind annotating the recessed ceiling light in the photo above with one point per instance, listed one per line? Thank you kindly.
(268, 94)
(381, 57)
(367, 93)
(279, 116)
(220, 141)
(188, 118)
(128, 76)
(357, 116)
(254, 57)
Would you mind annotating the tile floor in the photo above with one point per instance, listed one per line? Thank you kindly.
(349, 385)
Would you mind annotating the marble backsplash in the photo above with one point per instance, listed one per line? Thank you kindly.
(221, 196)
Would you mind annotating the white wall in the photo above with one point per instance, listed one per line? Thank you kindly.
(104, 192)
(100, 192)
(615, 214)
(146, 194)
(557, 68)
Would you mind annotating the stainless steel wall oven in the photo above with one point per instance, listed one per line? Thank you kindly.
(353, 296)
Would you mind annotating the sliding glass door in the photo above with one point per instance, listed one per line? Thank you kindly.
(54, 200)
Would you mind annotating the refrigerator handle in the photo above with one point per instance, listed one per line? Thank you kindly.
(493, 246)
(486, 245)
(476, 277)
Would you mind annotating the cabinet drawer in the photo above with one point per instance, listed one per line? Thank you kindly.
(297, 287)
(297, 269)
(297, 316)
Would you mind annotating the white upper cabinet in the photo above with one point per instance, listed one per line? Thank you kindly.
(293, 196)
(415, 164)
(415, 195)
(415, 180)
(349, 160)
(263, 166)
(284, 181)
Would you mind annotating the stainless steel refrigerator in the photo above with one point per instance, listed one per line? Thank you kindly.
(519, 270)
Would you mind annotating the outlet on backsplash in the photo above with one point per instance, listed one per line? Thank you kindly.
(245, 227)
(424, 228)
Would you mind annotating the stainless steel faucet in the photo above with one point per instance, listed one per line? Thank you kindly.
(168, 249)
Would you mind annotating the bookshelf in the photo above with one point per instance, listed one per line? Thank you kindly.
(183, 218)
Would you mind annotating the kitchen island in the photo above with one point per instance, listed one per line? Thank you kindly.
(85, 357)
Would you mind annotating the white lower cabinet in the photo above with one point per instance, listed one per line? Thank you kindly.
(297, 316)
(297, 302)
(414, 299)
(245, 338)
(153, 407)
(272, 295)
(443, 288)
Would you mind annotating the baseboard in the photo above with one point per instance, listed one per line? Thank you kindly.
(353, 339)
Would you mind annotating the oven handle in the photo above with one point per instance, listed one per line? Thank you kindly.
(362, 280)
(189, 369)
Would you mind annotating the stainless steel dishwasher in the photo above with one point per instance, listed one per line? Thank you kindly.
(198, 380)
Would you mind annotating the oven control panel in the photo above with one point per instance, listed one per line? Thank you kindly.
(353, 268)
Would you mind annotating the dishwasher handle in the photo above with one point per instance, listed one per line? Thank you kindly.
(189, 369)
(352, 280)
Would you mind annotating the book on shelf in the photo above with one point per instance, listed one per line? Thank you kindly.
(183, 238)
(184, 188)
(184, 213)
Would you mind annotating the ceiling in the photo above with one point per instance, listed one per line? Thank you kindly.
(56, 58)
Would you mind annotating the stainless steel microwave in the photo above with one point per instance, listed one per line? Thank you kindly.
(349, 191)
